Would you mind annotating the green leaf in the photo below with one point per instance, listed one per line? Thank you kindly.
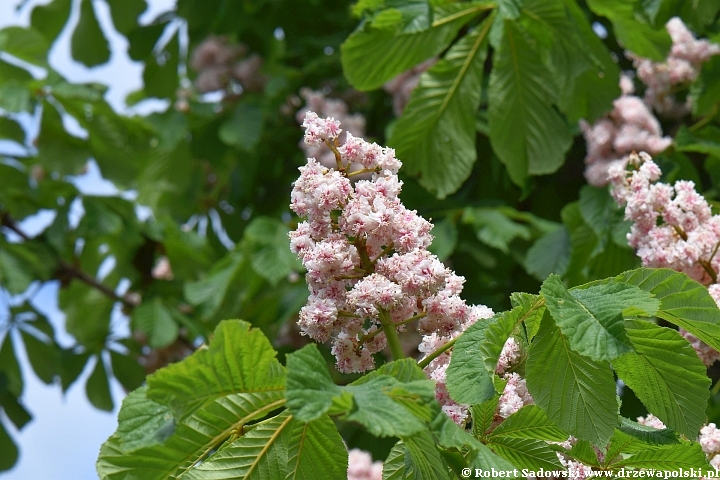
(267, 242)
(683, 301)
(666, 375)
(534, 316)
(706, 140)
(11, 130)
(468, 380)
(97, 387)
(155, 320)
(375, 53)
(87, 313)
(9, 449)
(161, 70)
(562, 381)
(44, 357)
(211, 290)
(415, 458)
(591, 318)
(238, 359)
(644, 435)
(14, 98)
(672, 458)
(59, 151)
(212, 393)
(71, 366)
(11, 406)
(88, 45)
(436, 132)
(632, 34)
(50, 19)
(482, 416)
(142, 422)
(9, 72)
(526, 133)
(529, 422)
(125, 14)
(280, 448)
(25, 43)
(310, 389)
(494, 227)
(9, 366)
(549, 254)
(244, 128)
(705, 92)
(445, 235)
(126, 369)
(381, 403)
(526, 453)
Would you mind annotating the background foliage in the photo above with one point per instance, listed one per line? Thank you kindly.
(489, 140)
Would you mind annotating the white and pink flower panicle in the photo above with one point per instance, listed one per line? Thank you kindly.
(673, 227)
(365, 253)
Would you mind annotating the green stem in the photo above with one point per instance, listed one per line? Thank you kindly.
(372, 335)
(391, 335)
(426, 361)
(706, 119)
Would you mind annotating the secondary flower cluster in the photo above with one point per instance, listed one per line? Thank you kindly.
(681, 68)
(709, 438)
(631, 125)
(368, 268)
(673, 227)
(218, 64)
(402, 86)
(361, 466)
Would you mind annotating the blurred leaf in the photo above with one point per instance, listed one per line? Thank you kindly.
(125, 13)
(25, 43)
(494, 228)
(88, 44)
(375, 53)
(445, 235)
(11, 130)
(212, 289)
(161, 69)
(44, 357)
(50, 19)
(87, 312)
(11, 72)
(269, 250)
(638, 37)
(97, 387)
(526, 132)
(59, 151)
(71, 366)
(13, 409)
(244, 128)
(549, 254)
(9, 366)
(9, 449)
(436, 132)
(127, 370)
(155, 320)
(14, 98)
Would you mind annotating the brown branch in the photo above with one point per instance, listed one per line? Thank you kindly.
(6, 220)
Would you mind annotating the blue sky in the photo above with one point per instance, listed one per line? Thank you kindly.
(64, 437)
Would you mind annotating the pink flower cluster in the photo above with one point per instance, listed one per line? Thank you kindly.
(673, 227)
(328, 107)
(361, 466)
(219, 63)
(681, 68)
(365, 253)
(629, 127)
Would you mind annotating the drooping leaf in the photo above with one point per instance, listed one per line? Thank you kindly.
(390, 44)
(526, 132)
(127, 370)
(666, 375)
(50, 19)
(683, 301)
(155, 319)
(25, 43)
(561, 380)
(88, 44)
(161, 70)
(125, 13)
(549, 254)
(591, 318)
(43, 356)
(97, 387)
(9, 449)
(436, 133)
(468, 380)
(11, 130)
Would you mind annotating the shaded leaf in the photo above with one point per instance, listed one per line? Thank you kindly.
(88, 44)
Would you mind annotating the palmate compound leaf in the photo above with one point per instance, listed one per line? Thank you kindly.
(436, 132)
(591, 318)
(281, 447)
(381, 49)
(666, 375)
(381, 403)
(683, 301)
(528, 135)
(576, 393)
(211, 394)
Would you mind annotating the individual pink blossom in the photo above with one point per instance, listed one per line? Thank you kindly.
(361, 466)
